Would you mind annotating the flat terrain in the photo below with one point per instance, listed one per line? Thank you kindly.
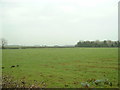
(62, 67)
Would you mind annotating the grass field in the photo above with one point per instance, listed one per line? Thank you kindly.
(62, 67)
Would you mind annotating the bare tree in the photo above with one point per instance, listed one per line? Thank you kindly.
(3, 43)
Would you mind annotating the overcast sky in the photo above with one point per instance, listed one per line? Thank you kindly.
(58, 22)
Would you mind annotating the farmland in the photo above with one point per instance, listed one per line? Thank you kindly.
(62, 67)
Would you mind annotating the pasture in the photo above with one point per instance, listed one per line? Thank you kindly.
(62, 67)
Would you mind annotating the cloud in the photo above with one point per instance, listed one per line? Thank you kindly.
(55, 21)
(68, 9)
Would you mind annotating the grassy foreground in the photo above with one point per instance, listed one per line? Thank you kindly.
(62, 67)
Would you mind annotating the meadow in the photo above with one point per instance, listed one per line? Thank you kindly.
(62, 67)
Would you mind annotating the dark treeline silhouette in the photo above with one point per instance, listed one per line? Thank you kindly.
(97, 43)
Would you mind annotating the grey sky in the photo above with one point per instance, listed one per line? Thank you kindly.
(58, 22)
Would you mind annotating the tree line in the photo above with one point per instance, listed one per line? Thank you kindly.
(97, 43)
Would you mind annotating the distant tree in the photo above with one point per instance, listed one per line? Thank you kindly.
(97, 43)
(3, 43)
(118, 43)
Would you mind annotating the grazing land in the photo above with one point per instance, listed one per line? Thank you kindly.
(62, 67)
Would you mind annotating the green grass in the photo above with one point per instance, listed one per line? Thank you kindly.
(62, 67)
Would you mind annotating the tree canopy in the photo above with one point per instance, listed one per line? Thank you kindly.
(97, 43)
